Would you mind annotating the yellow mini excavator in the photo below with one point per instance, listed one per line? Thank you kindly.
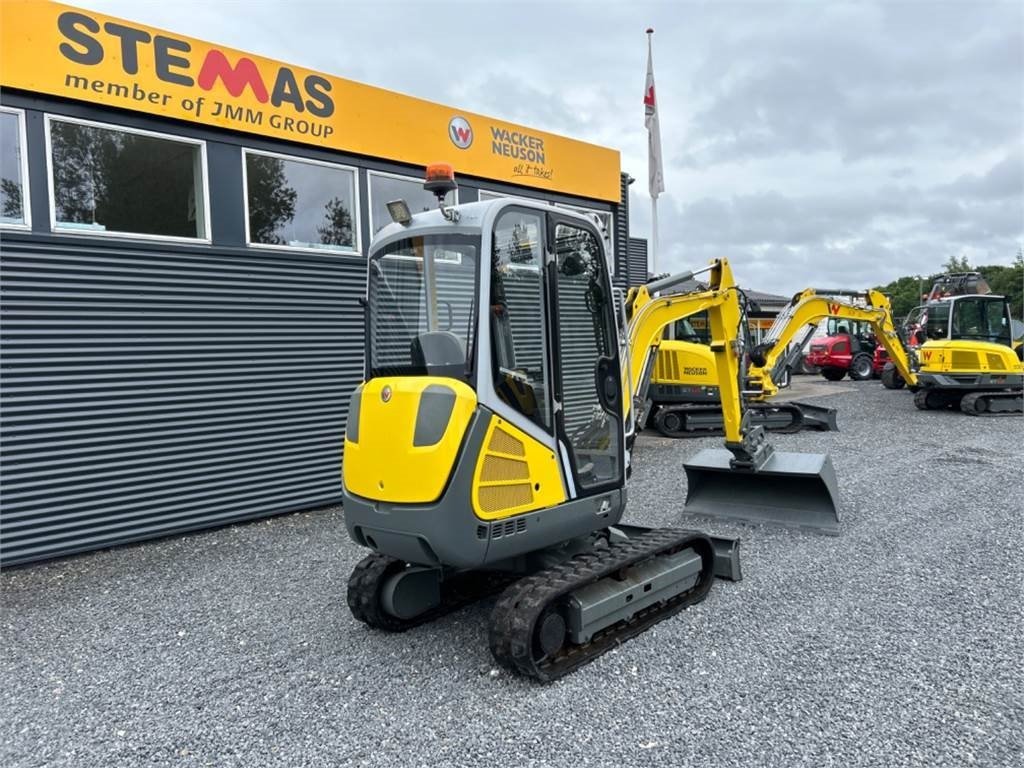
(682, 398)
(968, 359)
(489, 446)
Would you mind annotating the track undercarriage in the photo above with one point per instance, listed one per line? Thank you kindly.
(699, 420)
(552, 619)
(985, 403)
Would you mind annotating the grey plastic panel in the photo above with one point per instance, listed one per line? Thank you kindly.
(352, 423)
(149, 391)
(433, 414)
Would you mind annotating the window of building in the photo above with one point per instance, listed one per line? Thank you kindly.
(293, 203)
(385, 187)
(486, 194)
(14, 208)
(121, 181)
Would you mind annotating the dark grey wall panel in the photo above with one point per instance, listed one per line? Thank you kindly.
(637, 261)
(154, 390)
(622, 276)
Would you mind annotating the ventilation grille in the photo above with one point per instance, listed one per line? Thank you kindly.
(500, 469)
(508, 528)
(962, 359)
(995, 362)
(503, 442)
(505, 475)
(667, 368)
(496, 498)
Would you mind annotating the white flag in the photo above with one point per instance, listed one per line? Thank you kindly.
(655, 173)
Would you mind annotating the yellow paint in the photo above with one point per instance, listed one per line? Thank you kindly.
(684, 363)
(649, 317)
(384, 465)
(39, 42)
(967, 356)
(514, 474)
(808, 308)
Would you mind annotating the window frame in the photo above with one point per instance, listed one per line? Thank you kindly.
(356, 250)
(389, 175)
(26, 199)
(207, 237)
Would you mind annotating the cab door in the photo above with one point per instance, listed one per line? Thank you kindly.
(588, 384)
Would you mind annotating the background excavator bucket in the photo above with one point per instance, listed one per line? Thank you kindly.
(794, 490)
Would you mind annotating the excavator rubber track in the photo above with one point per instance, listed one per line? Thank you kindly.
(993, 404)
(370, 574)
(524, 607)
(682, 421)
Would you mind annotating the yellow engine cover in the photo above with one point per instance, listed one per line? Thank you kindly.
(389, 454)
(961, 356)
(514, 474)
(684, 363)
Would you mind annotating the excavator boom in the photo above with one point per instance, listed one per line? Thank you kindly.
(810, 306)
(748, 481)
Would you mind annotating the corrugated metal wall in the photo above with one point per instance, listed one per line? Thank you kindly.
(622, 274)
(149, 391)
(637, 261)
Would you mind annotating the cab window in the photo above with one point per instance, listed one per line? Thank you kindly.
(517, 318)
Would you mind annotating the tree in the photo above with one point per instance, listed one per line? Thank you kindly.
(337, 226)
(955, 264)
(10, 199)
(271, 200)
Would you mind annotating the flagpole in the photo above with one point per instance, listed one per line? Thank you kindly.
(654, 197)
(654, 236)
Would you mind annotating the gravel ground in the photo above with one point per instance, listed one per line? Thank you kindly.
(898, 643)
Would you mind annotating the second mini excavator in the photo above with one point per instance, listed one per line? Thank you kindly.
(682, 398)
(490, 445)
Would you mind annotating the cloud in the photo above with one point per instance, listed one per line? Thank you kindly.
(1003, 180)
(840, 143)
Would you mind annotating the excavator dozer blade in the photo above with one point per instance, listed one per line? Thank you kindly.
(794, 490)
(817, 417)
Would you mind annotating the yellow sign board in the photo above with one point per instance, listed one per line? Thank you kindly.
(63, 51)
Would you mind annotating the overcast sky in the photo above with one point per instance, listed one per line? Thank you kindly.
(812, 143)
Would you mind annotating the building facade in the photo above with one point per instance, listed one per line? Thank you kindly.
(183, 230)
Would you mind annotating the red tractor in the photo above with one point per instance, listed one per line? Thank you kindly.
(847, 350)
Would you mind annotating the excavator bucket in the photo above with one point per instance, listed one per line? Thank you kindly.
(793, 490)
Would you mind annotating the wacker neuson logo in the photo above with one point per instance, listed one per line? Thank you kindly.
(460, 132)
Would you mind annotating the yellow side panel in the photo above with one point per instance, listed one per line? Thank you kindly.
(384, 464)
(684, 363)
(514, 474)
(962, 356)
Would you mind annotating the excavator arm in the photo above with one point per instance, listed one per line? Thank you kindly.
(649, 315)
(806, 309)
